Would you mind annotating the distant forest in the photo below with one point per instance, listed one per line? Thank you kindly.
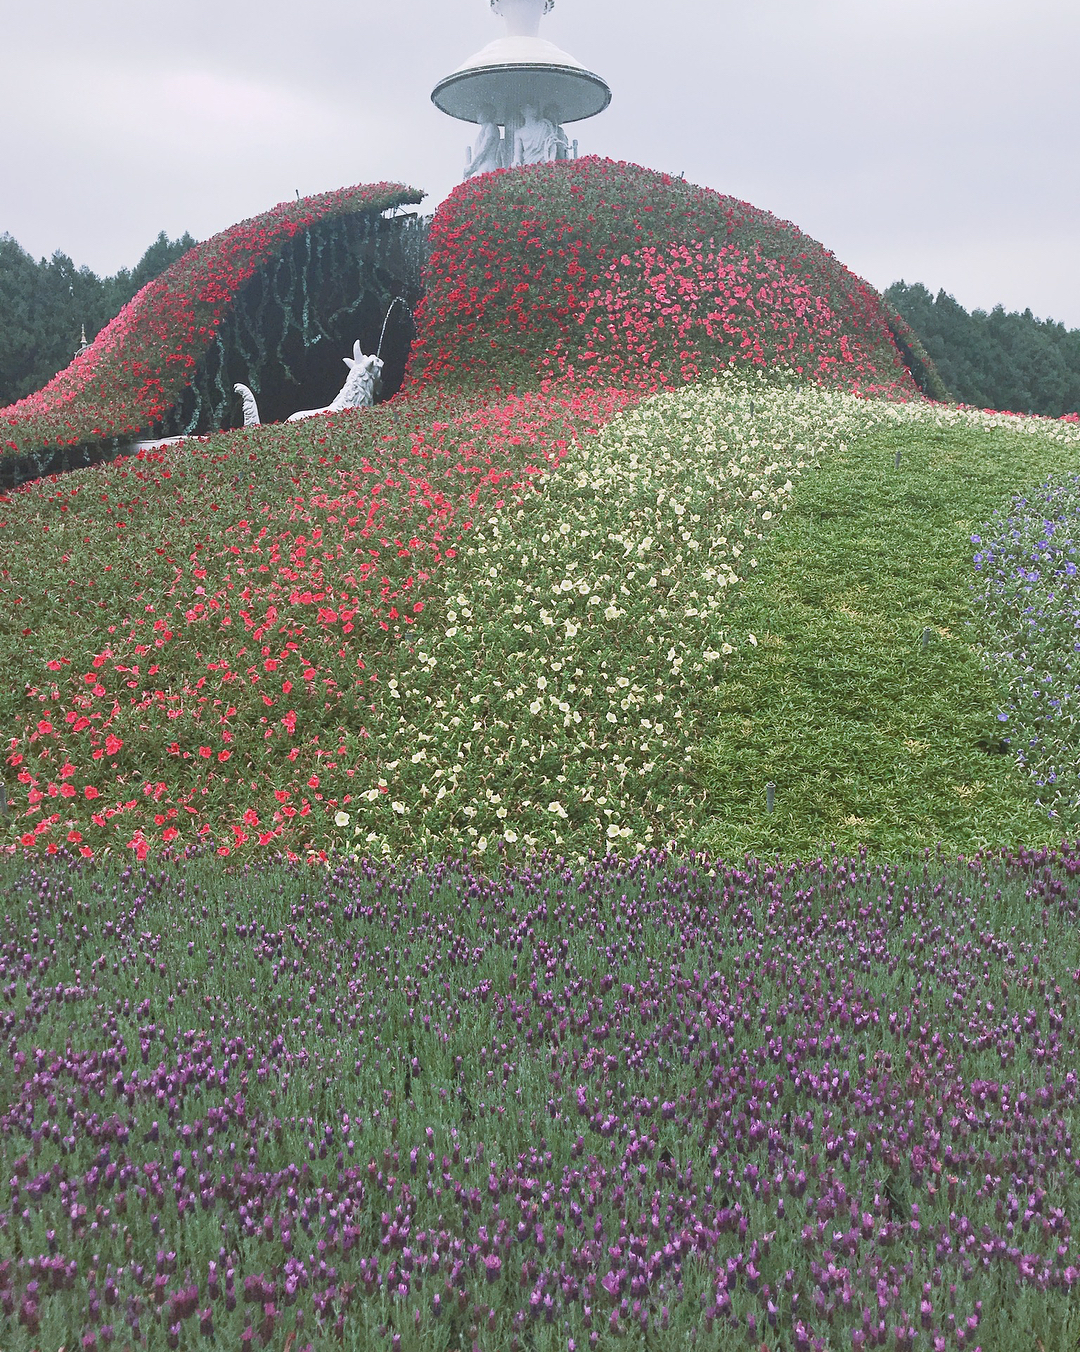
(996, 360)
(1011, 362)
(44, 305)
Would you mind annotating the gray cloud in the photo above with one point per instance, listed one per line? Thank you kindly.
(934, 140)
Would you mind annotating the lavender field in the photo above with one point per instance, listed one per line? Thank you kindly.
(644, 1103)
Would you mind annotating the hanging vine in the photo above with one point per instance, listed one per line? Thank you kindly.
(292, 324)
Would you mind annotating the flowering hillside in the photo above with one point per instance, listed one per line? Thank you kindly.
(140, 364)
(447, 623)
(611, 272)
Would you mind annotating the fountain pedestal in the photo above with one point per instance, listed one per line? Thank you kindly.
(524, 85)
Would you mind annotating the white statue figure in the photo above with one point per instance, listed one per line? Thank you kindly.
(538, 139)
(359, 391)
(251, 408)
(562, 142)
(488, 151)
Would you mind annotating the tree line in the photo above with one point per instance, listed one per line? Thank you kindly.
(1006, 361)
(45, 305)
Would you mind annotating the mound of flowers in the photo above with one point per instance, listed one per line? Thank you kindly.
(141, 362)
(619, 274)
(236, 656)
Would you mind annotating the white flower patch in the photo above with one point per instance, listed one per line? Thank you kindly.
(605, 599)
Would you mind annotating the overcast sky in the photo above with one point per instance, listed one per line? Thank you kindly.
(929, 140)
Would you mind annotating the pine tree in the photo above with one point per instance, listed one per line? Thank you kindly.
(44, 307)
(1005, 361)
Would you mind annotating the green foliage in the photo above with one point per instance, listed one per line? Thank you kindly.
(916, 358)
(868, 735)
(999, 360)
(44, 305)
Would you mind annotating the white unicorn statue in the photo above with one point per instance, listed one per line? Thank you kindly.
(359, 391)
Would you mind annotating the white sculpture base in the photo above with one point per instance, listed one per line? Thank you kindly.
(495, 150)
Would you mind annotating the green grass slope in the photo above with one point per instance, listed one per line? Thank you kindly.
(869, 732)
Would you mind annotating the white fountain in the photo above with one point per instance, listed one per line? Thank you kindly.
(521, 89)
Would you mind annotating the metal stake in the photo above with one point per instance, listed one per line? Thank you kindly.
(925, 639)
(896, 462)
(770, 790)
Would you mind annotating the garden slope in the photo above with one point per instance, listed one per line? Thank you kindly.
(448, 623)
(618, 274)
(140, 363)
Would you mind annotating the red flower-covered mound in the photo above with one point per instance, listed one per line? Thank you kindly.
(140, 363)
(606, 271)
(294, 560)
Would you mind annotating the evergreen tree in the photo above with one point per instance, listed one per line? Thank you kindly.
(1000, 360)
(44, 306)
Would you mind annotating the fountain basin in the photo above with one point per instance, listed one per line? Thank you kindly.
(513, 72)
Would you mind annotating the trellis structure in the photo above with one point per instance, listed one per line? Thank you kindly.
(275, 301)
(293, 322)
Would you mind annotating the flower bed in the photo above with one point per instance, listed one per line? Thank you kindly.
(1030, 614)
(445, 623)
(822, 1107)
(614, 273)
(268, 629)
(138, 367)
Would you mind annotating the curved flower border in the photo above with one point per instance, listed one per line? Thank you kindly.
(141, 362)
